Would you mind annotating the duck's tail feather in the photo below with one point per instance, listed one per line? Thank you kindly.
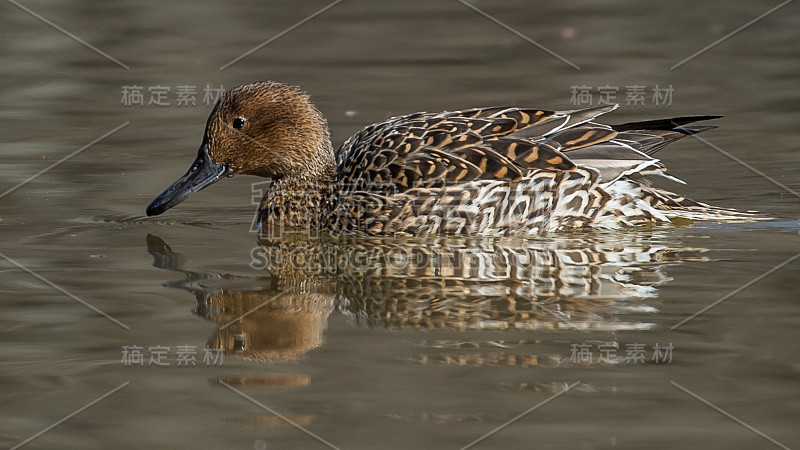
(676, 206)
(650, 136)
(661, 124)
(633, 203)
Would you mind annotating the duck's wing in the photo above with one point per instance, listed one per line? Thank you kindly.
(627, 149)
(426, 150)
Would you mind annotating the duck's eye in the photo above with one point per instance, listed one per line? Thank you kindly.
(238, 122)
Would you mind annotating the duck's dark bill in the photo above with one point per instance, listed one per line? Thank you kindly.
(203, 172)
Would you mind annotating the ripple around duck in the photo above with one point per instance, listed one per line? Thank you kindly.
(264, 380)
(119, 221)
(737, 227)
(144, 220)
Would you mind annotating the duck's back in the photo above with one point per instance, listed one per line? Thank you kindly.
(500, 171)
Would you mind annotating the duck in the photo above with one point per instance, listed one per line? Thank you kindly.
(487, 171)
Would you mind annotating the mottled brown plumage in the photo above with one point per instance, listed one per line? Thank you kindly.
(481, 171)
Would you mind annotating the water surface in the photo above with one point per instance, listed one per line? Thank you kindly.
(430, 343)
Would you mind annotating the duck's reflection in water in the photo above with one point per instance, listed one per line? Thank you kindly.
(604, 282)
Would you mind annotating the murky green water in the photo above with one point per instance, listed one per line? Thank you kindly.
(573, 341)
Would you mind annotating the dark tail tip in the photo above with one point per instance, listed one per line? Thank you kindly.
(676, 123)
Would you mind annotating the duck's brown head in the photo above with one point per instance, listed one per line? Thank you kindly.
(267, 129)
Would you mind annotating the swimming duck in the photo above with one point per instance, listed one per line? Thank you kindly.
(480, 171)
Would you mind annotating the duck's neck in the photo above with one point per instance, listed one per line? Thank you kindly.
(300, 203)
(322, 167)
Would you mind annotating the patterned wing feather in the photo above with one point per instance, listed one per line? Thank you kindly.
(425, 150)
